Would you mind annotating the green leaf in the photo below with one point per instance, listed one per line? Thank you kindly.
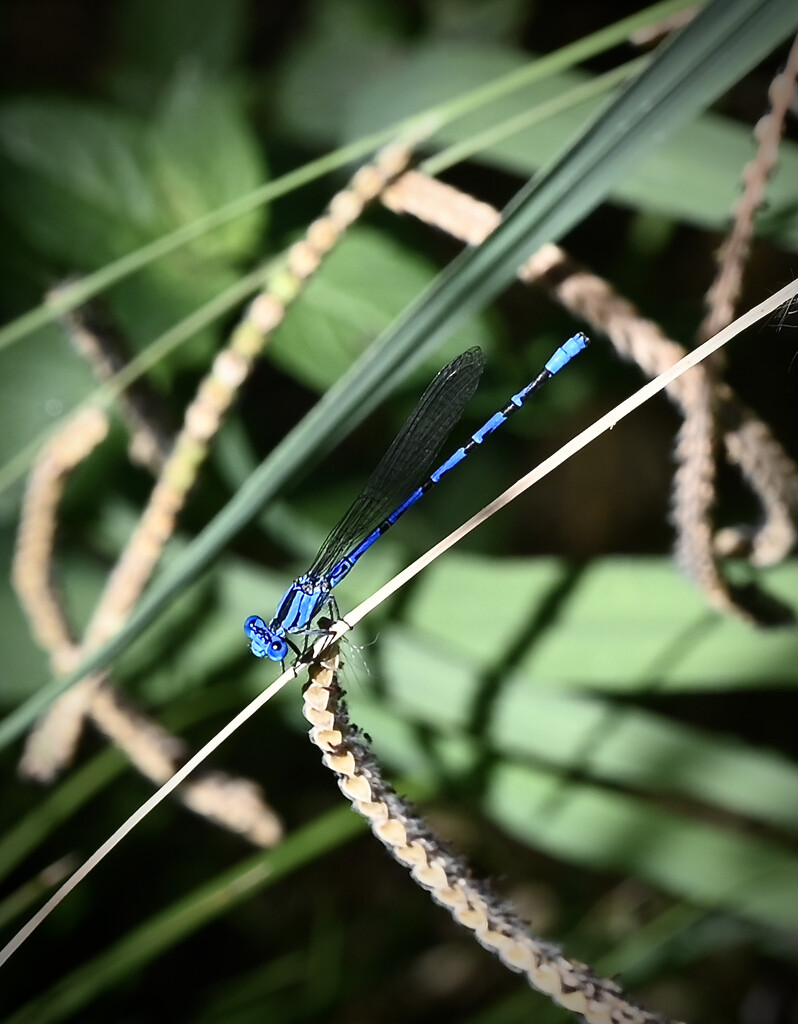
(694, 176)
(603, 829)
(365, 282)
(550, 800)
(135, 260)
(627, 625)
(103, 182)
(85, 169)
(519, 713)
(346, 45)
(445, 709)
(206, 156)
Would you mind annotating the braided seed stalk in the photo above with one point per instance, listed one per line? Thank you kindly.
(765, 466)
(54, 739)
(470, 902)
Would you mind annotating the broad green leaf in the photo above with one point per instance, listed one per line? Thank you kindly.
(630, 625)
(205, 156)
(694, 176)
(604, 829)
(433, 678)
(163, 299)
(573, 731)
(365, 282)
(86, 170)
(345, 46)
(104, 182)
(593, 826)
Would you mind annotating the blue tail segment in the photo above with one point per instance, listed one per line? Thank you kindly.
(401, 478)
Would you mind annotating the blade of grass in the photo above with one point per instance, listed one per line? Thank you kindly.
(193, 911)
(468, 148)
(82, 784)
(726, 39)
(58, 806)
(30, 893)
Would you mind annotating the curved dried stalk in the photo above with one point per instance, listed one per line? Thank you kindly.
(52, 742)
(772, 475)
(448, 880)
(751, 449)
(216, 393)
(32, 569)
(97, 339)
(722, 294)
(654, 33)
(767, 468)
(234, 803)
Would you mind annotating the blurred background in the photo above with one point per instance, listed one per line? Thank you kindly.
(577, 720)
